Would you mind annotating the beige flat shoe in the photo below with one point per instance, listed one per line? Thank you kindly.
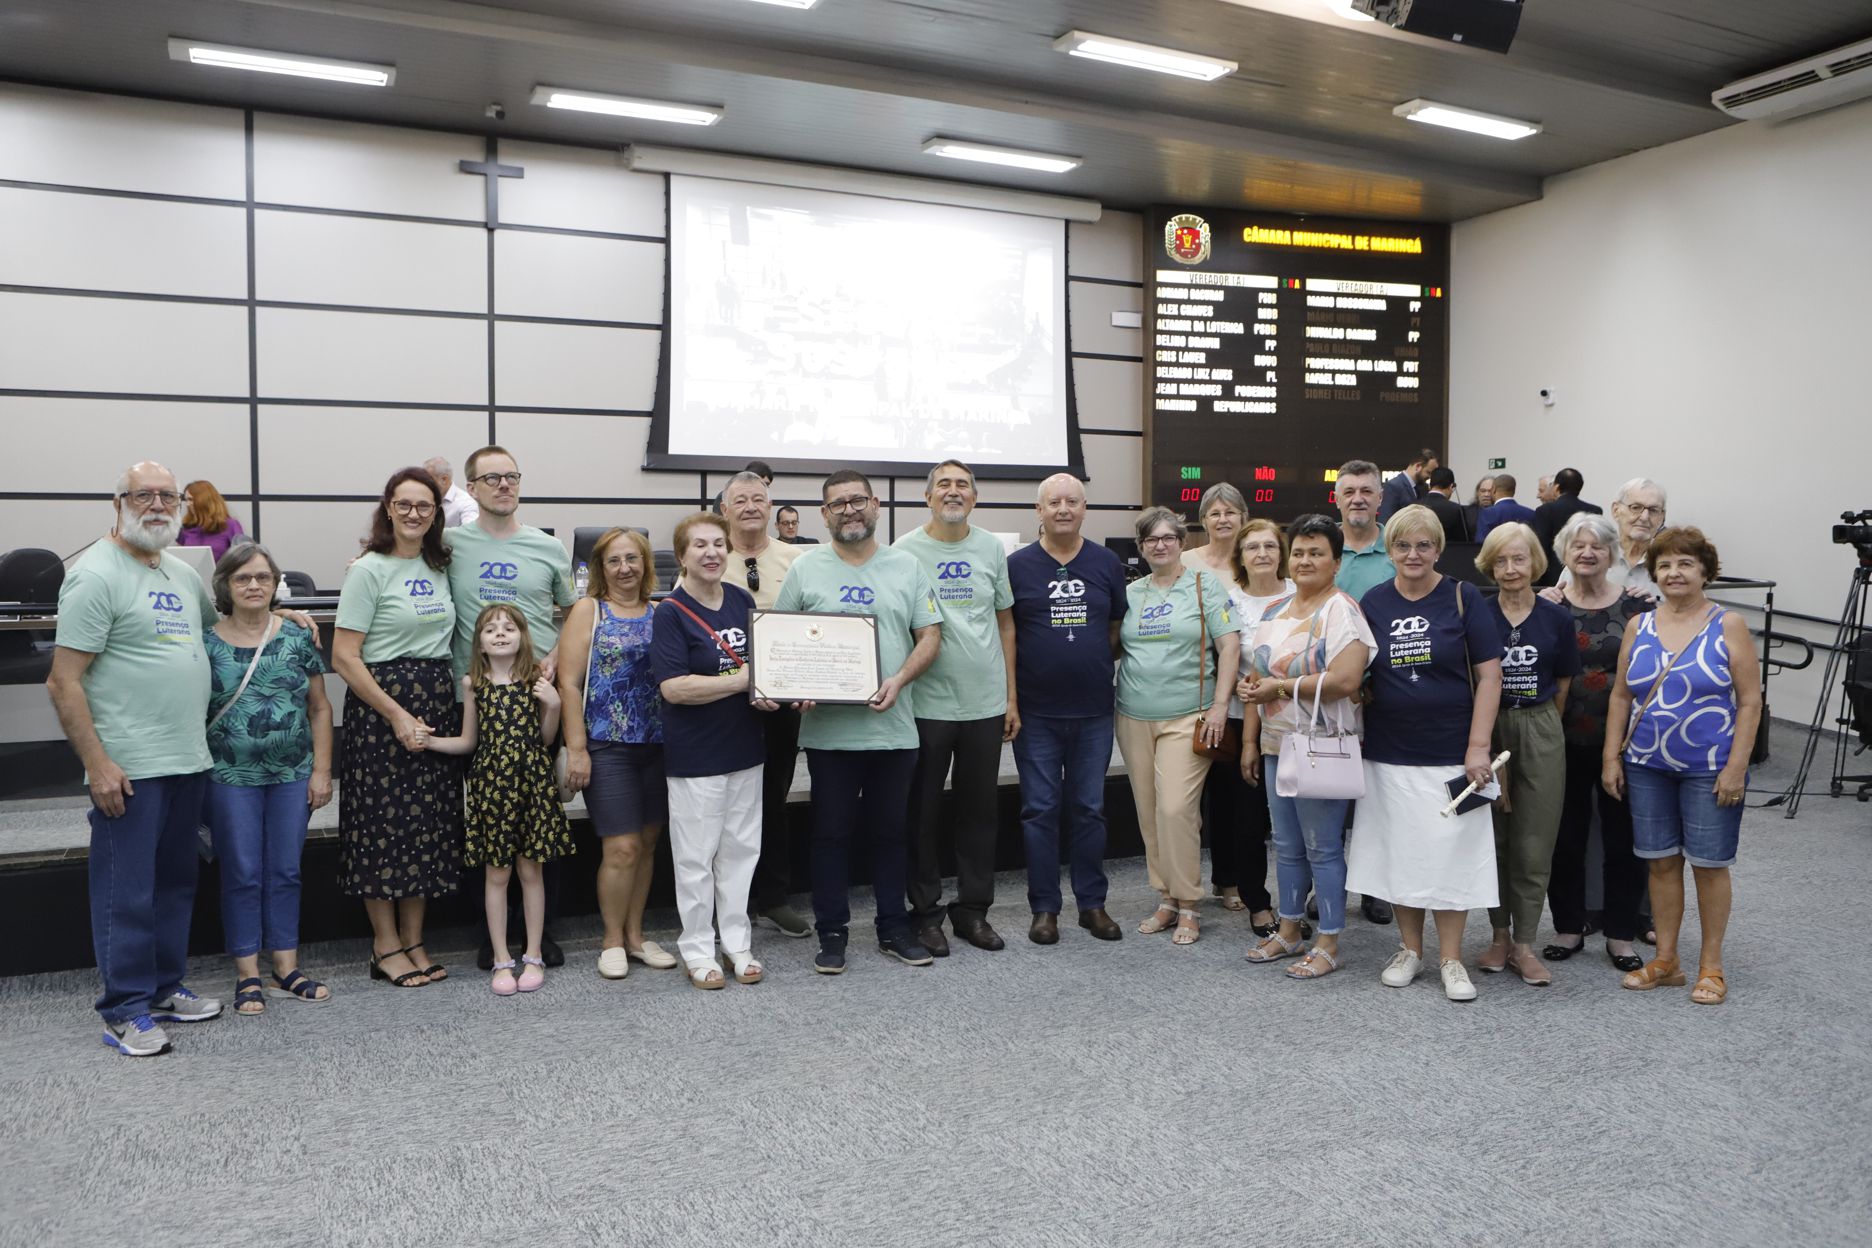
(653, 956)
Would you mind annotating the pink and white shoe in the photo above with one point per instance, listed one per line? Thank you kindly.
(534, 975)
(503, 981)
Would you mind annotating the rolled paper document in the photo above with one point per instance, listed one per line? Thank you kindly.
(1464, 796)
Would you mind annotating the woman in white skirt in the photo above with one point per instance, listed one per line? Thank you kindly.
(1436, 685)
(712, 751)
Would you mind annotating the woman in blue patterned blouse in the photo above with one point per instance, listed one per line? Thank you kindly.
(615, 749)
(1689, 700)
(270, 732)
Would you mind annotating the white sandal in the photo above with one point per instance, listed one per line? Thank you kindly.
(747, 969)
(1287, 949)
(1303, 969)
(707, 976)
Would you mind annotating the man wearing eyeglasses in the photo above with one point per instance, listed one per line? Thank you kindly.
(130, 683)
(458, 505)
(863, 758)
(962, 712)
(1639, 512)
(1069, 599)
(495, 558)
(786, 527)
(759, 565)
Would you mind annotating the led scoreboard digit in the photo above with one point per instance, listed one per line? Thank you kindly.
(1278, 347)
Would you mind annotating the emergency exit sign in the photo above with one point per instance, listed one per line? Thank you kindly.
(1498, 463)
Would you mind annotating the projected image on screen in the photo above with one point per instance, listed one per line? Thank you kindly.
(814, 325)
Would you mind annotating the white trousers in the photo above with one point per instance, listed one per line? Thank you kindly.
(715, 840)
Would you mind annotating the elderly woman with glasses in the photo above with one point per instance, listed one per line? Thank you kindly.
(399, 803)
(1176, 648)
(1435, 694)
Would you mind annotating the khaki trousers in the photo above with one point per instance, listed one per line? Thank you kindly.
(1524, 837)
(1166, 784)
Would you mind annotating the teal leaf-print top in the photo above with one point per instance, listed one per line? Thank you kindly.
(265, 738)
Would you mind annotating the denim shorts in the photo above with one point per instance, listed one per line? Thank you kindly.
(627, 791)
(1675, 812)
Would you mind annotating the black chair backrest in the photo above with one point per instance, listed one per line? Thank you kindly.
(30, 574)
(1458, 560)
(299, 584)
(667, 569)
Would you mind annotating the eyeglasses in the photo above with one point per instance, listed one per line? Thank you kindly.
(1418, 548)
(492, 479)
(1644, 509)
(1161, 538)
(403, 507)
(251, 578)
(857, 503)
(143, 498)
(753, 574)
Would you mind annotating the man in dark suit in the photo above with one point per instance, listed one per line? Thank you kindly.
(1550, 518)
(1504, 509)
(1448, 510)
(1406, 487)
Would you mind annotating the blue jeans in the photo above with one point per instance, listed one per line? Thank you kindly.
(142, 876)
(1675, 812)
(259, 831)
(1062, 764)
(862, 793)
(1309, 852)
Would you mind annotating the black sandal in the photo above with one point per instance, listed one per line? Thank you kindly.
(1560, 953)
(405, 980)
(243, 995)
(299, 985)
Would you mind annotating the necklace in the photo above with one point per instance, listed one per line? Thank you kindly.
(1163, 594)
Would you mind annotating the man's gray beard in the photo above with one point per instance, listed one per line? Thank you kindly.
(152, 542)
(838, 534)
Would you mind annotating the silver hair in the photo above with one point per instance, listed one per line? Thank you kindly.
(1601, 527)
(1151, 517)
(742, 478)
(435, 465)
(238, 556)
(1040, 493)
(1640, 483)
(1360, 468)
(1221, 492)
(929, 482)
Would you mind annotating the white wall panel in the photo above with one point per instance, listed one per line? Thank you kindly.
(563, 518)
(61, 526)
(319, 539)
(575, 366)
(99, 242)
(342, 164)
(1110, 393)
(1108, 247)
(577, 188)
(77, 138)
(353, 450)
(372, 357)
(74, 445)
(136, 346)
(302, 257)
(586, 456)
(1115, 467)
(578, 277)
(1092, 307)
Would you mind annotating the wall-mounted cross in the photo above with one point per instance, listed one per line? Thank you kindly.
(493, 172)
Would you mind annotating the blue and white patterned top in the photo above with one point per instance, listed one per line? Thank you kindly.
(621, 702)
(1690, 724)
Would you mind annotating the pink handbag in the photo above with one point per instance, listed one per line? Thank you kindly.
(1317, 764)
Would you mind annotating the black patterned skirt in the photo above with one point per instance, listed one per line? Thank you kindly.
(400, 813)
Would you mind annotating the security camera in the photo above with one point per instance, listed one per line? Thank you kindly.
(498, 112)
(1546, 397)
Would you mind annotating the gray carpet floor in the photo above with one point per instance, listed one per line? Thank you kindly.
(1085, 1094)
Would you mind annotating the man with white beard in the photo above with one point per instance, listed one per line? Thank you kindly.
(130, 683)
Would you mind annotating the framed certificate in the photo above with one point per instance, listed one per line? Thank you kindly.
(813, 656)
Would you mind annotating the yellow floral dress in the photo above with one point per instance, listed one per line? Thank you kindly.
(513, 803)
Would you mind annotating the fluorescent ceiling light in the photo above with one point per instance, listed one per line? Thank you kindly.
(1143, 56)
(1435, 114)
(790, 4)
(1011, 156)
(359, 73)
(625, 106)
(1344, 9)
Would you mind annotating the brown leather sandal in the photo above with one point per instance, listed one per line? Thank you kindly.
(1716, 992)
(1657, 973)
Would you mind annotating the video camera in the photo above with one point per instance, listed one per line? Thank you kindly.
(1855, 530)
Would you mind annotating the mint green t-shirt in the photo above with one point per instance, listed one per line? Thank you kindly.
(530, 569)
(402, 606)
(148, 686)
(1157, 663)
(1359, 570)
(968, 680)
(890, 585)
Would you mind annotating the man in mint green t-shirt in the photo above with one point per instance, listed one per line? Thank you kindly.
(863, 758)
(130, 683)
(495, 558)
(962, 710)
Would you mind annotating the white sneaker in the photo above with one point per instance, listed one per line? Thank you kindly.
(1402, 970)
(136, 1037)
(183, 1006)
(614, 963)
(1456, 985)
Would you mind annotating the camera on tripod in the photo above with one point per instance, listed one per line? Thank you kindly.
(1855, 529)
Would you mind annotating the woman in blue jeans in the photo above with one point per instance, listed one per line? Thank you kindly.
(1307, 649)
(1689, 693)
(270, 733)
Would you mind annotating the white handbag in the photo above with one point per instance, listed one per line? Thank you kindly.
(1318, 764)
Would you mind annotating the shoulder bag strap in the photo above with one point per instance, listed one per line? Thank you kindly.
(591, 657)
(1657, 686)
(1202, 643)
(272, 627)
(726, 648)
(1467, 667)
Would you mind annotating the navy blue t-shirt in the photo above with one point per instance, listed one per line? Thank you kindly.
(1062, 629)
(1419, 716)
(717, 737)
(1535, 655)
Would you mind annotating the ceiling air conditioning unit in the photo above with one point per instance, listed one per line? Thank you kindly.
(1835, 77)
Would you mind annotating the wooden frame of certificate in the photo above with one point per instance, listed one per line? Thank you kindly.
(814, 656)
